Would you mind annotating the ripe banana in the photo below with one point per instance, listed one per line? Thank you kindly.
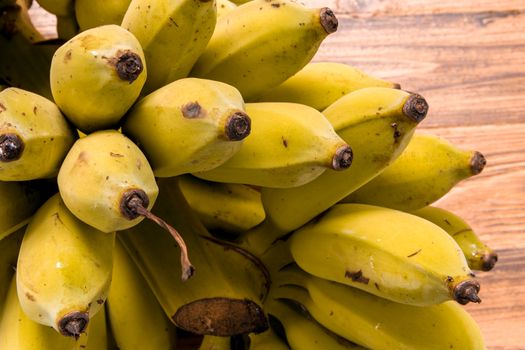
(9, 248)
(173, 34)
(267, 340)
(97, 75)
(16, 21)
(377, 123)
(223, 298)
(64, 269)
(377, 323)
(136, 318)
(210, 342)
(290, 145)
(188, 125)
(389, 253)
(34, 136)
(479, 256)
(274, 39)
(428, 168)
(90, 14)
(320, 84)
(224, 7)
(223, 207)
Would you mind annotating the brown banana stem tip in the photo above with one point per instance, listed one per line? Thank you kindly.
(73, 324)
(342, 158)
(396, 86)
(415, 107)
(134, 203)
(488, 261)
(328, 20)
(11, 147)
(238, 126)
(477, 163)
(129, 66)
(467, 291)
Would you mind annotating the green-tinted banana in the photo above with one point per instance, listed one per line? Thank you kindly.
(9, 248)
(378, 323)
(267, 340)
(16, 21)
(97, 75)
(258, 45)
(64, 269)
(58, 7)
(479, 256)
(67, 27)
(320, 84)
(386, 252)
(136, 318)
(224, 7)
(95, 13)
(18, 332)
(377, 123)
(223, 298)
(303, 332)
(189, 125)
(173, 34)
(290, 145)
(34, 136)
(426, 170)
(96, 334)
(210, 342)
(223, 207)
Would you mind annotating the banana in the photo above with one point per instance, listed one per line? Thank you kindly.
(224, 7)
(136, 318)
(189, 125)
(34, 136)
(64, 269)
(274, 39)
(58, 7)
(18, 332)
(173, 34)
(16, 21)
(389, 253)
(223, 207)
(303, 332)
(97, 75)
(290, 145)
(67, 27)
(319, 84)
(479, 256)
(210, 342)
(428, 168)
(224, 296)
(90, 14)
(96, 334)
(9, 248)
(377, 123)
(267, 340)
(377, 323)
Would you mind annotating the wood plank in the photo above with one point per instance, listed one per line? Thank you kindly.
(43, 20)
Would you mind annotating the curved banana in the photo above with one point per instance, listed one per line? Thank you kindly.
(16, 21)
(96, 337)
(58, 7)
(290, 145)
(319, 84)
(210, 342)
(34, 136)
(137, 321)
(377, 323)
(188, 125)
(9, 248)
(426, 170)
(377, 123)
(224, 7)
(173, 34)
(64, 269)
(90, 14)
(274, 39)
(104, 68)
(223, 207)
(389, 253)
(67, 27)
(479, 256)
(267, 340)
(224, 296)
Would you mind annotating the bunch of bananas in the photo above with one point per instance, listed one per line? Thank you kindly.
(288, 202)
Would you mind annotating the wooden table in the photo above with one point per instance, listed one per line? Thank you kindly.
(468, 59)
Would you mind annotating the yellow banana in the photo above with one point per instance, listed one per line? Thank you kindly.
(173, 34)
(378, 323)
(91, 14)
(479, 256)
(274, 39)
(34, 136)
(224, 7)
(223, 207)
(18, 332)
(104, 69)
(9, 248)
(377, 123)
(290, 145)
(426, 170)
(188, 125)
(210, 342)
(267, 340)
(96, 337)
(67, 27)
(385, 252)
(223, 298)
(16, 21)
(320, 84)
(136, 318)
(303, 332)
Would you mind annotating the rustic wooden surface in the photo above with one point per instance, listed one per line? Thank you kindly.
(468, 59)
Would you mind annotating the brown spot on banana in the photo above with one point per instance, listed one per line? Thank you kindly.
(357, 276)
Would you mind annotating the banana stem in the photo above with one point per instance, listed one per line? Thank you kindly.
(11, 147)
